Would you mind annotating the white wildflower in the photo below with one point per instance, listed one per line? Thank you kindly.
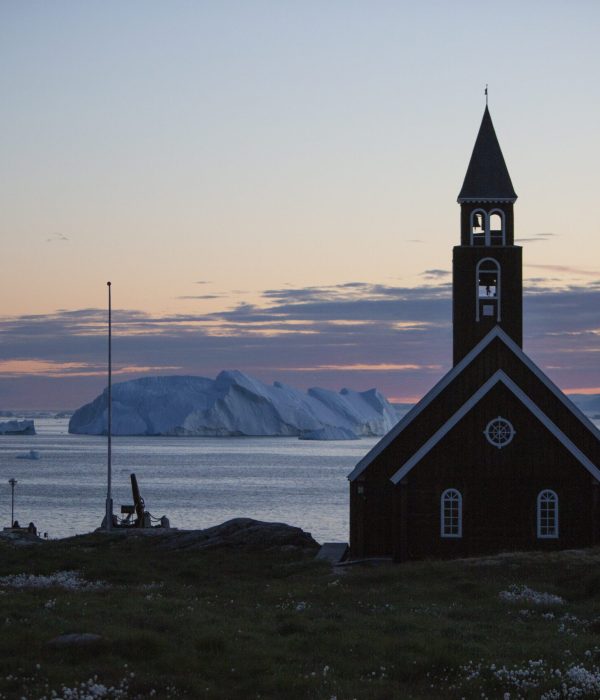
(71, 580)
(522, 594)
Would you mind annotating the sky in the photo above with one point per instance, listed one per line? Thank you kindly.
(271, 187)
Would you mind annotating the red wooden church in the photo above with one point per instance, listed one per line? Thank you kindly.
(495, 457)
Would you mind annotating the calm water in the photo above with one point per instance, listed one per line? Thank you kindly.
(196, 482)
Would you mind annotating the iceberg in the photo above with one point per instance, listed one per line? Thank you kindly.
(329, 433)
(589, 403)
(32, 454)
(17, 427)
(234, 404)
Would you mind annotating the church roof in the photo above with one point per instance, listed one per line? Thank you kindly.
(487, 176)
(497, 377)
(449, 379)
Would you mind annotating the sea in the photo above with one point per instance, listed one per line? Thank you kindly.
(195, 482)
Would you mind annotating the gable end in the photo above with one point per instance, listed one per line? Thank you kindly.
(498, 376)
(450, 376)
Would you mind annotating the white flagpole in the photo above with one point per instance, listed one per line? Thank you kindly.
(109, 502)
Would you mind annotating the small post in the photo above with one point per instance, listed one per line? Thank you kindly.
(109, 502)
(486, 94)
(13, 482)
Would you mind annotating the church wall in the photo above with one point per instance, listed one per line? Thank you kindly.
(371, 518)
(499, 487)
(465, 219)
(558, 413)
(495, 356)
(467, 331)
(383, 500)
(498, 356)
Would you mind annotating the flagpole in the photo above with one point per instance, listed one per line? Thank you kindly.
(109, 502)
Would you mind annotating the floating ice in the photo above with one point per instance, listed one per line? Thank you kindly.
(17, 427)
(32, 454)
(234, 404)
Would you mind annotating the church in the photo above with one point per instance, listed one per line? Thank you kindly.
(495, 457)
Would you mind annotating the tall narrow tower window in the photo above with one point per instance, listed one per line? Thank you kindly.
(497, 236)
(488, 289)
(479, 227)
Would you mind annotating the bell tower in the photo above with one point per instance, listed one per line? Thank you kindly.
(487, 275)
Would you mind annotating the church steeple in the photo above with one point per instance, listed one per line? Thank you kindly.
(487, 287)
(487, 177)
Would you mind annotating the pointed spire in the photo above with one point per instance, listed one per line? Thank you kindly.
(487, 176)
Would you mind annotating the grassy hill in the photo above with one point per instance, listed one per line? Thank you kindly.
(245, 623)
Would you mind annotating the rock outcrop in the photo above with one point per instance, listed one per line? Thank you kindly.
(242, 533)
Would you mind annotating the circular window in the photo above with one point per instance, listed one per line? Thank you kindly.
(499, 432)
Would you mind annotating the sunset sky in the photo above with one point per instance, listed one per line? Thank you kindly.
(271, 187)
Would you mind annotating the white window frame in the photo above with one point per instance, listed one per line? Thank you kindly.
(500, 213)
(511, 432)
(486, 225)
(554, 500)
(496, 299)
(443, 527)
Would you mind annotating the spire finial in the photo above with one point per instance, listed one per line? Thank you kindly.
(486, 94)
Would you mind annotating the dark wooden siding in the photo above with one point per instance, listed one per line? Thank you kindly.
(499, 487)
(372, 518)
(507, 480)
(494, 357)
(467, 331)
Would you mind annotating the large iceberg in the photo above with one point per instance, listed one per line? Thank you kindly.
(233, 404)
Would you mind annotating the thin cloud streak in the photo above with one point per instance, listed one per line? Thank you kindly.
(201, 296)
(381, 367)
(356, 334)
(50, 368)
(536, 238)
(435, 274)
(566, 269)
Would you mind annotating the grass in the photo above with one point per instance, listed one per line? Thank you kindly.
(277, 624)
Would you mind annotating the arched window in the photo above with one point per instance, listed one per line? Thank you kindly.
(547, 515)
(487, 289)
(451, 513)
(496, 236)
(479, 227)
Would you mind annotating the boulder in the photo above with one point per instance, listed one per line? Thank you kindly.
(242, 532)
(74, 639)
